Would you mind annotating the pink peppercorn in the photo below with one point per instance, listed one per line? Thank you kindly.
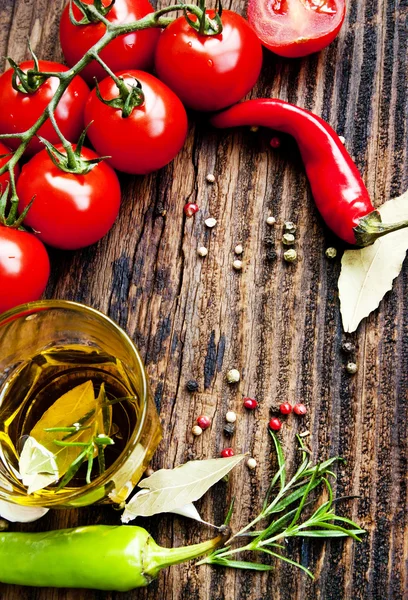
(275, 424)
(285, 408)
(300, 409)
(190, 209)
(250, 403)
(227, 453)
(203, 421)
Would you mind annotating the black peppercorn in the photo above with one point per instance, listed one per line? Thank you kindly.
(192, 385)
(348, 347)
(229, 429)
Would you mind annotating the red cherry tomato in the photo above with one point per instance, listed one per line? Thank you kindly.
(131, 51)
(69, 211)
(296, 28)
(24, 268)
(146, 140)
(19, 111)
(4, 179)
(209, 72)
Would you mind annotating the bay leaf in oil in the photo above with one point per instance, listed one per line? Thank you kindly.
(75, 406)
(37, 465)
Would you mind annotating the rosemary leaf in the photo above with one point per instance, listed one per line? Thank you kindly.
(64, 429)
(68, 444)
(101, 460)
(119, 400)
(80, 422)
(281, 460)
(323, 467)
(316, 533)
(90, 458)
(293, 497)
(102, 401)
(277, 476)
(240, 564)
(334, 517)
(288, 560)
(230, 512)
(330, 529)
(307, 491)
(276, 526)
(73, 469)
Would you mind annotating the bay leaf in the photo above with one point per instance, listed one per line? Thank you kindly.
(189, 511)
(37, 465)
(367, 274)
(170, 489)
(70, 408)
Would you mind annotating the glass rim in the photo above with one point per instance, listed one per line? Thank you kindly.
(76, 493)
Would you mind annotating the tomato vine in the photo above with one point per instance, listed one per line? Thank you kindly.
(157, 19)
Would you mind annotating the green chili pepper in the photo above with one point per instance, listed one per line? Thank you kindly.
(99, 557)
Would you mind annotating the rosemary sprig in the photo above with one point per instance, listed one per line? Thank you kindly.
(96, 445)
(283, 510)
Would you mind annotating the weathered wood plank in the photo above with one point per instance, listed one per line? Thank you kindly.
(278, 323)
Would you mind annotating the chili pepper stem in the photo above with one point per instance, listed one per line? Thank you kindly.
(371, 227)
(157, 557)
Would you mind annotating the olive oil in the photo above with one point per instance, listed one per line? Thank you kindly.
(50, 351)
(33, 386)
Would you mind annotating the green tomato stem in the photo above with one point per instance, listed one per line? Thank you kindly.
(72, 161)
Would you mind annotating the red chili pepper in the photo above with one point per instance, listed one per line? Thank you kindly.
(337, 187)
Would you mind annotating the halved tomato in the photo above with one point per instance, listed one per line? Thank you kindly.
(294, 28)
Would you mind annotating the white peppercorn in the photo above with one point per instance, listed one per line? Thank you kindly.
(290, 255)
(210, 222)
(202, 251)
(233, 376)
(231, 417)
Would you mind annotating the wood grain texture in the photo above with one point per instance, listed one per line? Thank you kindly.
(278, 323)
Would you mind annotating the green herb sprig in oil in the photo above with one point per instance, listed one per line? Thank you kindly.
(95, 446)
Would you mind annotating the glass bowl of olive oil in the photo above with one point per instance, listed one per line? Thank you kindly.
(77, 421)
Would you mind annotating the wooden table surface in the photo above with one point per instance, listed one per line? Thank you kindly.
(279, 324)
